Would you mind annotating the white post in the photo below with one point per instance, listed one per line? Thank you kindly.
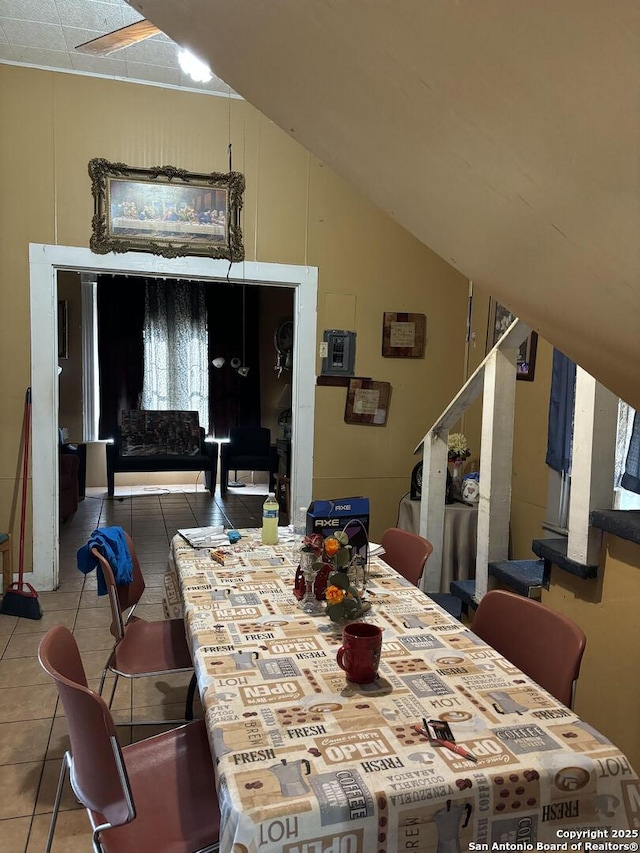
(434, 480)
(593, 461)
(498, 407)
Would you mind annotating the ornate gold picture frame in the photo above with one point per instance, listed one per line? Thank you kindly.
(166, 211)
(500, 318)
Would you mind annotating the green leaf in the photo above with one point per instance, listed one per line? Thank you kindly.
(336, 612)
(340, 580)
(342, 537)
(343, 557)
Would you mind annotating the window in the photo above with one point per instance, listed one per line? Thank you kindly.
(176, 373)
(623, 498)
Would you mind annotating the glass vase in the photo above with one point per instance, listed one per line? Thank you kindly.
(358, 573)
(309, 566)
(456, 480)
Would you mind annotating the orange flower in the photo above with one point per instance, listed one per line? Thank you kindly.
(334, 595)
(331, 546)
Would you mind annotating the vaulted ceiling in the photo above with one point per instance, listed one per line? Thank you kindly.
(503, 134)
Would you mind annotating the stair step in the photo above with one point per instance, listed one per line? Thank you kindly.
(450, 603)
(526, 577)
(554, 551)
(522, 576)
(465, 591)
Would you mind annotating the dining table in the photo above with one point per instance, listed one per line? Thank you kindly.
(308, 762)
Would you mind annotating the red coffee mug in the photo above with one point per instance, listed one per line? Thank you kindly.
(359, 654)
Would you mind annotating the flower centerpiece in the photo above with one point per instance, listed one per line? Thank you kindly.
(325, 574)
(458, 451)
(342, 597)
(458, 447)
(319, 557)
(343, 601)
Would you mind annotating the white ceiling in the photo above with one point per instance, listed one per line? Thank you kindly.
(45, 33)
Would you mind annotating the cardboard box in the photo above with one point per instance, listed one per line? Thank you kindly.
(328, 517)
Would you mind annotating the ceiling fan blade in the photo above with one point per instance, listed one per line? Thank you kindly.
(116, 40)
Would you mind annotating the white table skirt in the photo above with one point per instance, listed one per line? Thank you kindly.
(460, 534)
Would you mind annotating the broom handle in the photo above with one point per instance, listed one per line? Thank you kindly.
(25, 472)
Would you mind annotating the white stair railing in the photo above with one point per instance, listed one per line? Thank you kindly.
(495, 378)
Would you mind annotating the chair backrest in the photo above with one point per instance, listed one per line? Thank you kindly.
(98, 774)
(250, 441)
(544, 644)
(122, 596)
(406, 552)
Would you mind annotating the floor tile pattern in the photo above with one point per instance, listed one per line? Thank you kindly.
(32, 727)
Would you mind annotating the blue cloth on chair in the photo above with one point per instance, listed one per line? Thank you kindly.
(112, 544)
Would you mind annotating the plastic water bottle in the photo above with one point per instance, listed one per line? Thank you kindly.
(270, 513)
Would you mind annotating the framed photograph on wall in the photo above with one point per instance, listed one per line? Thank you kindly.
(500, 318)
(367, 402)
(63, 329)
(403, 335)
(166, 211)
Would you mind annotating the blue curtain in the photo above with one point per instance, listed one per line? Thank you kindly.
(631, 477)
(561, 400)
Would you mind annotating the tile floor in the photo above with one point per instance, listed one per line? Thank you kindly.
(32, 726)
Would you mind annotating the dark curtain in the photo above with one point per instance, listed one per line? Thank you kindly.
(120, 355)
(631, 477)
(560, 429)
(234, 400)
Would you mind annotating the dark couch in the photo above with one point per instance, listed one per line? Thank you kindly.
(161, 441)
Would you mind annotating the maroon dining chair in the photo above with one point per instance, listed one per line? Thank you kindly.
(142, 648)
(157, 794)
(546, 645)
(406, 553)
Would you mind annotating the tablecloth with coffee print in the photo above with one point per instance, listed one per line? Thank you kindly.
(308, 763)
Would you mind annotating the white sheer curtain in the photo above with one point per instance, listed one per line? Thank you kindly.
(623, 498)
(176, 372)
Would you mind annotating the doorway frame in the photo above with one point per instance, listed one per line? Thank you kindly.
(44, 263)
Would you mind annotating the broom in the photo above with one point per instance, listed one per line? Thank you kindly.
(21, 599)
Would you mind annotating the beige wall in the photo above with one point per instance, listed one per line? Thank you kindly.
(608, 693)
(296, 211)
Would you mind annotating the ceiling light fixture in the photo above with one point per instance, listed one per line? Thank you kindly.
(194, 67)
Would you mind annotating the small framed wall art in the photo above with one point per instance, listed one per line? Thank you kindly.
(403, 335)
(500, 318)
(367, 402)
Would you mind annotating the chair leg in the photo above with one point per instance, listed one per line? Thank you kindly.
(56, 802)
(113, 690)
(191, 692)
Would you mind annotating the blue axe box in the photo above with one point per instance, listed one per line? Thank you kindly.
(348, 514)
